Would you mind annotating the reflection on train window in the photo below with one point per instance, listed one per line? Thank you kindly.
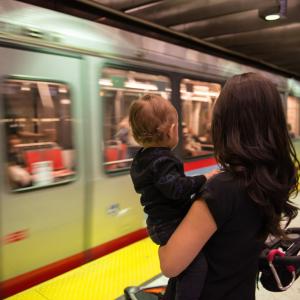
(197, 101)
(293, 118)
(38, 125)
(118, 88)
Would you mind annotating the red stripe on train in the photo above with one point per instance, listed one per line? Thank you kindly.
(121, 242)
(27, 280)
(198, 164)
(16, 236)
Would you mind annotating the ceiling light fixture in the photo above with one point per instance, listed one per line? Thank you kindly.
(275, 12)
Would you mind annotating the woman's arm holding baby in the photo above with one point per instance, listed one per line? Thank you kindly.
(188, 239)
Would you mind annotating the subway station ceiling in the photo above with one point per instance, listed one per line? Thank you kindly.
(231, 24)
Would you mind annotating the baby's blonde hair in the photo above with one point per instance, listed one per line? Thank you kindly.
(150, 119)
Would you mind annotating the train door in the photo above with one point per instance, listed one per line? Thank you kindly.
(42, 187)
(117, 217)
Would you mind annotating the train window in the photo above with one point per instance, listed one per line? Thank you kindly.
(118, 88)
(38, 125)
(293, 116)
(197, 99)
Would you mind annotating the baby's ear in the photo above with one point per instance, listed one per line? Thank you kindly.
(170, 131)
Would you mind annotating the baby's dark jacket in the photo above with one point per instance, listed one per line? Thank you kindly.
(158, 175)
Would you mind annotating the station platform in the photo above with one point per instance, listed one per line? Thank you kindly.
(103, 279)
(134, 265)
(106, 278)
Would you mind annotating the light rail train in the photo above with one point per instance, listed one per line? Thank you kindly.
(66, 85)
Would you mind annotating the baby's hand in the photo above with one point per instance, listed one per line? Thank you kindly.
(212, 173)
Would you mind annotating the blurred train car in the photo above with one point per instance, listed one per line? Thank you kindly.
(66, 86)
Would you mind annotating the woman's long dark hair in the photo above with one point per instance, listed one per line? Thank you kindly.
(252, 142)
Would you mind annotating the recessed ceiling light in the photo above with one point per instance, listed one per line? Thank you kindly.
(275, 12)
(272, 17)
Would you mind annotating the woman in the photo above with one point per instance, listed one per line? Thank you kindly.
(239, 207)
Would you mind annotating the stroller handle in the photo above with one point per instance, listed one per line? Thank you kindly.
(281, 261)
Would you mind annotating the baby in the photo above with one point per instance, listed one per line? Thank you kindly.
(166, 191)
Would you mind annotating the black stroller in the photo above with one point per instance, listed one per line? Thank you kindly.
(279, 262)
(279, 267)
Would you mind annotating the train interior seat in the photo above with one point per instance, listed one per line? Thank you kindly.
(111, 153)
(123, 152)
(32, 157)
(114, 151)
(53, 154)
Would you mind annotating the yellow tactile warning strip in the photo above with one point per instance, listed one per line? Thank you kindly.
(102, 279)
(28, 295)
